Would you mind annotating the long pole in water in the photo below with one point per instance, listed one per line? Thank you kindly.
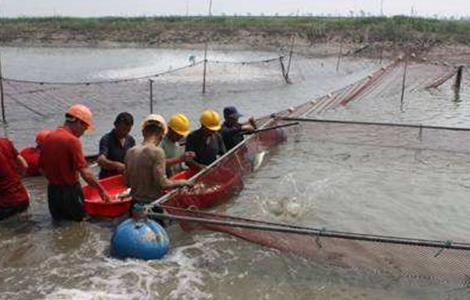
(340, 53)
(205, 70)
(291, 52)
(151, 95)
(272, 128)
(403, 83)
(318, 232)
(458, 82)
(205, 54)
(2, 96)
(375, 124)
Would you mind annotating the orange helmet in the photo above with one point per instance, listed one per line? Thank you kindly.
(82, 113)
(41, 136)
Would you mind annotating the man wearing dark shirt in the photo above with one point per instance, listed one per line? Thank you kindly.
(114, 146)
(232, 130)
(206, 142)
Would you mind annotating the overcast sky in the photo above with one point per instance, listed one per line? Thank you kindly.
(14, 8)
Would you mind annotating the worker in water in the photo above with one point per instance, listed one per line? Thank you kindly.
(13, 196)
(31, 154)
(145, 163)
(114, 146)
(178, 128)
(232, 130)
(62, 162)
(206, 141)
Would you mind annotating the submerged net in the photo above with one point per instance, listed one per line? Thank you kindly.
(397, 259)
(402, 260)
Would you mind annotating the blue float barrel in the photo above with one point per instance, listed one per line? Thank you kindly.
(139, 238)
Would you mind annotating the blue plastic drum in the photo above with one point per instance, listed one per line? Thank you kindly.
(142, 239)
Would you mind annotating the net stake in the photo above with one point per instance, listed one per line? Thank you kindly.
(317, 239)
(447, 244)
(2, 97)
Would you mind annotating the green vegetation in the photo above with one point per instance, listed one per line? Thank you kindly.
(171, 30)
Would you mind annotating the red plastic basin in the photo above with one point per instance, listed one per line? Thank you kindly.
(96, 207)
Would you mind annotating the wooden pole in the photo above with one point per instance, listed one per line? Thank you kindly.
(291, 52)
(381, 54)
(283, 69)
(2, 96)
(340, 53)
(403, 82)
(151, 95)
(210, 8)
(205, 70)
(458, 83)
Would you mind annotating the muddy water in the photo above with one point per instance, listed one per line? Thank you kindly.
(40, 259)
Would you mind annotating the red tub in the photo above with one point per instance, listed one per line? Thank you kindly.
(95, 207)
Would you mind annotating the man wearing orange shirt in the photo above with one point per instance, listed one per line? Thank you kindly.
(62, 162)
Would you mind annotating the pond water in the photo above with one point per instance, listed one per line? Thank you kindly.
(339, 181)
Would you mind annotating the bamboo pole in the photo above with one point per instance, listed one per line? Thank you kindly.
(340, 53)
(381, 55)
(417, 126)
(403, 85)
(205, 70)
(458, 83)
(283, 69)
(2, 95)
(151, 95)
(291, 52)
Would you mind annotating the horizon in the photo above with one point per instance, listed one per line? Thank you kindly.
(159, 8)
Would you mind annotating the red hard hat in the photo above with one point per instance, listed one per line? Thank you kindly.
(41, 136)
(82, 113)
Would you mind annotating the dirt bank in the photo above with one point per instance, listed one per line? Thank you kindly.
(373, 37)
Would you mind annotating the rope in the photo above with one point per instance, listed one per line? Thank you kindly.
(245, 62)
(26, 106)
(144, 76)
(105, 81)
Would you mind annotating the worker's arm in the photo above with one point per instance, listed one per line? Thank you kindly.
(110, 165)
(185, 157)
(250, 126)
(103, 160)
(21, 164)
(90, 178)
(160, 173)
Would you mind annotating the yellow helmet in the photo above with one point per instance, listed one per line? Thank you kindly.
(180, 124)
(211, 120)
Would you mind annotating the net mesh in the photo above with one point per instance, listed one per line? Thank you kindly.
(399, 260)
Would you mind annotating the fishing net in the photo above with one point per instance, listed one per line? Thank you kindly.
(397, 259)
(400, 260)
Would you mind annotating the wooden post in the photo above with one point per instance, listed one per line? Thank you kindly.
(458, 79)
(205, 70)
(290, 58)
(340, 53)
(381, 54)
(210, 8)
(404, 82)
(151, 95)
(283, 69)
(2, 96)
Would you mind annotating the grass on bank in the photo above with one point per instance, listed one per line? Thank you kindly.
(138, 29)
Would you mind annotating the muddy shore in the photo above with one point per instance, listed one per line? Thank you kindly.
(366, 37)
